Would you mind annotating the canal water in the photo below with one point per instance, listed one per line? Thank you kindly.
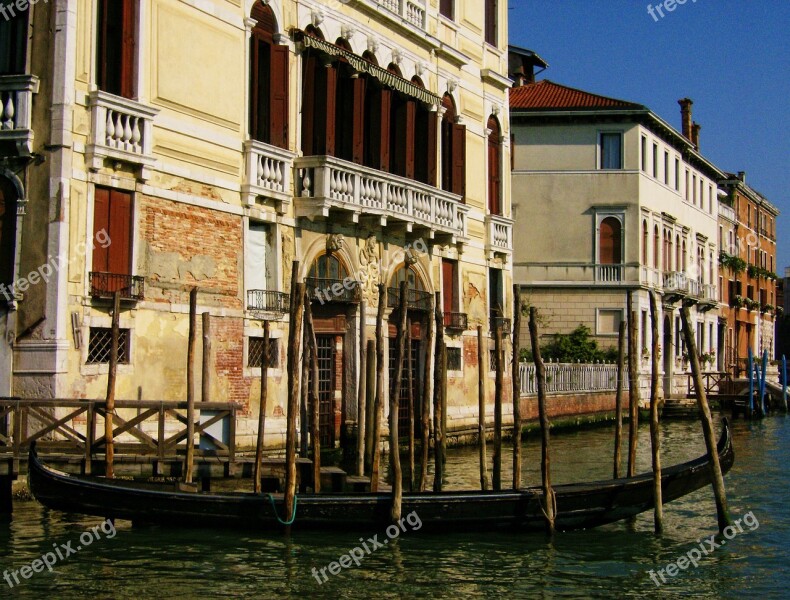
(612, 561)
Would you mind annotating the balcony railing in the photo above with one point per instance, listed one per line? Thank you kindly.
(323, 290)
(502, 322)
(267, 173)
(412, 11)
(121, 129)
(500, 234)
(651, 277)
(268, 301)
(327, 184)
(608, 273)
(16, 103)
(415, 299)
(104, 285)
(456, 321)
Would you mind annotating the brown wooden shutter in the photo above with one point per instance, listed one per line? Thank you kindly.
(358, 136)
(384, 127)
(278, 90)
(128, 48)
(459, 159)
(309, 105)
(491, 21)
(330, 101)
(409, 137)
(101, 222)
(449, 294)
(493, 176)
(120, 232)
(430, 144)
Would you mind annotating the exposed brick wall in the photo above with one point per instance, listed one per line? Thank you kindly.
(184, 246)
(567, 405)
(228, 342)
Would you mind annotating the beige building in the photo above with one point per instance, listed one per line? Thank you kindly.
(608, 198)
(151, 146)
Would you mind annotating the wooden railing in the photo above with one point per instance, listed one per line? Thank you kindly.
(711, 382)
(158, 430)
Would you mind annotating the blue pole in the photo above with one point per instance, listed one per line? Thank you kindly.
(784, 381)
(751, 383)
(762, 381)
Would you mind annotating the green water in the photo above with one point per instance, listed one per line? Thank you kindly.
(611, 561)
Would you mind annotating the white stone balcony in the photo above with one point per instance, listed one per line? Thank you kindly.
(121, 130)
(609, 273)
(500, 235)
(16, 104)
(267, 173)
(412, 11)
(328, 186)
(651, 277)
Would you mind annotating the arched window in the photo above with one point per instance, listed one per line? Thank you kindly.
(656, 248)
(678, 261)
(328, 266)
(318, 122)
(645, 242)
(349, 110)
(685, 259)
(268, 80)
(494, 166)
(453, 150)
(8, 200)
(418, 297)
(610, 242)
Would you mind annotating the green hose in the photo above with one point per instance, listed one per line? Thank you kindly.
(293, 514)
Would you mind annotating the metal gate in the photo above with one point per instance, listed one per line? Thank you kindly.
(403, 397)
(326, 389)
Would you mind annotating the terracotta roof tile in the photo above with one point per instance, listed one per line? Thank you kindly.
(546, 94)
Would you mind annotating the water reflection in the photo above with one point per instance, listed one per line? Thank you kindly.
(608, 562)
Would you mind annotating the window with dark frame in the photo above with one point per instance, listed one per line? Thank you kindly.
(13, 43)
(453, 150)
(8, 216)
(450, 299)
(491, 28)
(610, 241)
(117, 47)
(453, 359)
(494, 167)
(100, 346)
(446, 8)
(611, 149)
(255, 352)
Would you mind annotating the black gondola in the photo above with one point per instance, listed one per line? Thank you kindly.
(579, 505)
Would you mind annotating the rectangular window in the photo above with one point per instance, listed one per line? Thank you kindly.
(13, 41)
(496, 295)
(258, 258)
(710, 199)
(646, 335)
(611, 150)
(608, 321)
(655, 161)
(694, 189)
(255, 352)
(116, 47)
(453, 359)
(100, 346)
(449, 285)
(666, 167)
(491, 28)
(688, 195)
(112, 218)
(644, 154)
(446, 8)
(677, 174)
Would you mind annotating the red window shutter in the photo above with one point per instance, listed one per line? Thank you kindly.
(385, 158)
(358, 136)
(409, 137)
(330, 102)
(278, 89)
(120, 232)
(309, 106)
(430, 143)
(101, 223)
(128, 48)
(447, 155)
(493, 176)
(449, 294)
(459, 159)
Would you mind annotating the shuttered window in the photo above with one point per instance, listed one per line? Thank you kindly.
(453, 150)
(610, 242)
(494, 167)
(268, 81)
(13, 42)
(491, 22)
(449, 285)
(117, 47)
(7, 233)
(112, 217)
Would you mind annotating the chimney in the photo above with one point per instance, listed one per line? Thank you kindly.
(695, 127)
(685, 117)
(742, 176)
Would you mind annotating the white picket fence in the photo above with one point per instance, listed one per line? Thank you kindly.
(572, 377)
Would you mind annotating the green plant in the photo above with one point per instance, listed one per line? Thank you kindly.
(733, 263)
(577, 346)
(766, 308)
(737, 301)
(751, 304)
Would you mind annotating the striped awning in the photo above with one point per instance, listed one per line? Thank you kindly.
(386, 77)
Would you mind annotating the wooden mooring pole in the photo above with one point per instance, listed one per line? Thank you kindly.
(633, 387)
(426, 406)
(379, 408)
(655, 441)
(400, 351)
(549, 501)
(370, 402)
(190, 458)
(498, 390)
(439, 413)
(362, 390)
(481, 409)
(618, 428)
(205, 381)
(719, 492)
(294, 339)
(516, 381)
(315, 414)
(262, 409)
(410, 386)
(109, 406)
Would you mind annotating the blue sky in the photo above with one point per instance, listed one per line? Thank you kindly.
(730, 57)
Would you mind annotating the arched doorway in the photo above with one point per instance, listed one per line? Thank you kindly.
(8, 217)
(667, 350)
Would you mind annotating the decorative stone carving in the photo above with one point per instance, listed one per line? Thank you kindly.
(334, 242)
(370, 270)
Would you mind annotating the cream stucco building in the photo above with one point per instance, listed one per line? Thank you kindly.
(155, 145)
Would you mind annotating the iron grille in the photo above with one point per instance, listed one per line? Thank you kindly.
(415, 299)
(104, 285)
(326, 389)
(403, 396)
(268, 300)
(100, 346)
(255, 352)
(324, 290)
(456, 321)
(453, 359)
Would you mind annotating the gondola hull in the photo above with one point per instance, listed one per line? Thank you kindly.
(579, 506)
